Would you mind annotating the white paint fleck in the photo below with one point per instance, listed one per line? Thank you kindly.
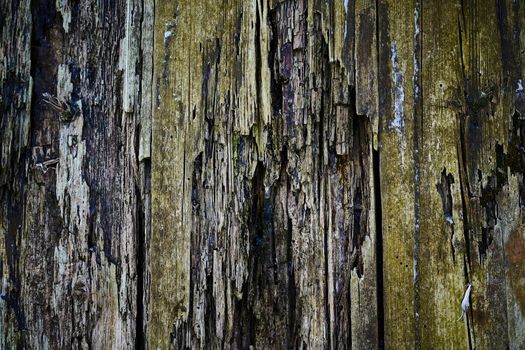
(416, 20)
(519, 90)
(399, 95)
(466, 302)
(346, 15)
(416, 65)
(167, 36)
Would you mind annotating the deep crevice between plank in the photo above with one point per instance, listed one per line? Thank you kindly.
(376, 176)
(379, 250)
(140, 339)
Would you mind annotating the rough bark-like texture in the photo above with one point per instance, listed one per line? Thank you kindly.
(280, 222)
(71, 182)
(262, 173)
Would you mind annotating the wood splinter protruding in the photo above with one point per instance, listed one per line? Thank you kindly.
(67, 111)
(44, 165)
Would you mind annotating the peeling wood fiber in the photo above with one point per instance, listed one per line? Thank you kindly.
(262, 174)
(72, 186)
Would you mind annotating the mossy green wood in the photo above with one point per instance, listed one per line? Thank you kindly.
(202, 201)
(200, 61)
(280, 76)
(399, 79)
(441, 262)
(484, 100)
(462, 83)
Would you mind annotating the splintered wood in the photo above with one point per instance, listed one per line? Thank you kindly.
(262, 174)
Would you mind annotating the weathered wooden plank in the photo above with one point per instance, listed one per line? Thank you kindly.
(70, 194)
(15, 116)
(483, 126)
(399, 111)
(441, 280)
(506, 185)
(170, 241)
(206, 106)
(264, 235)
(465, 99)
(320, 174)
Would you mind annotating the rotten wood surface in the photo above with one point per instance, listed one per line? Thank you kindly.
(267, 174)
(72, 185)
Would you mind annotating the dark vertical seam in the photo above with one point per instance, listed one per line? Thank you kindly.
(376, 178)
(418, 108)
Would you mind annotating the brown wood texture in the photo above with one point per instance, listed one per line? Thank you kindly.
(262, 174)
